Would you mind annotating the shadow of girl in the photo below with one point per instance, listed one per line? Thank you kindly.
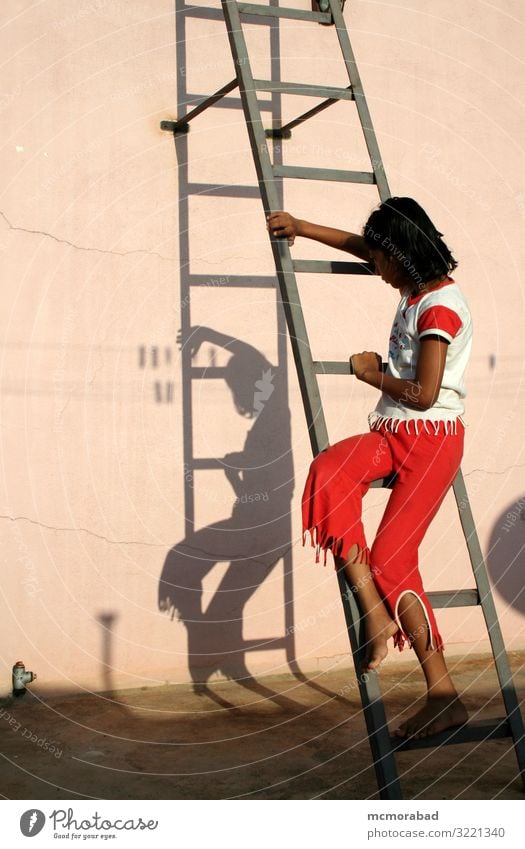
(256, 535)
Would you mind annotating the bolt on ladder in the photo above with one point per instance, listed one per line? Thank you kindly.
(383, 745)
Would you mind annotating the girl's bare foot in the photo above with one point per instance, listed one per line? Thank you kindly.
(437, 714)
(378, 631)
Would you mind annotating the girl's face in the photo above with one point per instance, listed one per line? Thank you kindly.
(388, 268)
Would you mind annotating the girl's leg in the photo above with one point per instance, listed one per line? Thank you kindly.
(332, 502)
(443, 708)
(379, 625)
(426, 467)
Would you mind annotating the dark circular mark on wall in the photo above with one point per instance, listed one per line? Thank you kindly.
(506, 555)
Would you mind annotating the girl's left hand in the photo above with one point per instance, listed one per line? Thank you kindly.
(365, 361)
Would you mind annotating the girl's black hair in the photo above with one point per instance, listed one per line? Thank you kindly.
(401, 227)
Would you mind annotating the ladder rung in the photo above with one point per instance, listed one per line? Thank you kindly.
(224, 281)
(337, 366)
(322, 266)
(205, 463)
(224, 190)
(304, 89)
(379, 483)
(454, 598)
(472, 732)
(323, 174)
(206, 12)
(331, 366)
(208, 373)
(278, 12)
(225, 102)
(264, 644)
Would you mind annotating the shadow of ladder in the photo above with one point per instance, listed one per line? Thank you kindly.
(383, 745)
(188, 280)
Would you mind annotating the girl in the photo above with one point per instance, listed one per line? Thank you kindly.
(415, 432)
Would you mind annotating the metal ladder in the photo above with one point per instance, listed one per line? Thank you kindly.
(383, 745)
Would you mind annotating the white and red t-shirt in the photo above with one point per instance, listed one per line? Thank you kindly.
(443, 312)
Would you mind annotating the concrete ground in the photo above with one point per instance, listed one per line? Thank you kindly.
(277, 737)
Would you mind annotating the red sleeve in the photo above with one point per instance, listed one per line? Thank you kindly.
(440, 320)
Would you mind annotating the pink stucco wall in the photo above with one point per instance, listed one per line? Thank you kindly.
(92, 491)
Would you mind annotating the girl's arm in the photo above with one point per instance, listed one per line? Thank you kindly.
(199, 334)
(282, 224)
(418, 394)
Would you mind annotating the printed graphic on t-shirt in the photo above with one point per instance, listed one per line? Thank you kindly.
(398, 340)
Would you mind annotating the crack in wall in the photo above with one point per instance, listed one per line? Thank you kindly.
(82, 247)
(211, 554)
(83, 530)
(497, 472)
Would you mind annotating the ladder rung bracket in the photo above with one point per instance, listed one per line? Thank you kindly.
(331, 174)
(224, 190)
(257, 10)
(304, 89)
(225, 281)
(454, 598)
(472, 732)
(182, 124)
(321, 266)
(175, 126)
(285, 131)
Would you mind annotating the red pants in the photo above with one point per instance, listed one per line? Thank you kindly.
(425, 466)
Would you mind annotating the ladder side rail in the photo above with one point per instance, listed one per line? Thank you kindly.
(373, 708)
(501, 661)
(182, 154)
(282, 353)
(360, 100)
(281, 252)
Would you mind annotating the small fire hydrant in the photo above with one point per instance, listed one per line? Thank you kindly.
(21, 678)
